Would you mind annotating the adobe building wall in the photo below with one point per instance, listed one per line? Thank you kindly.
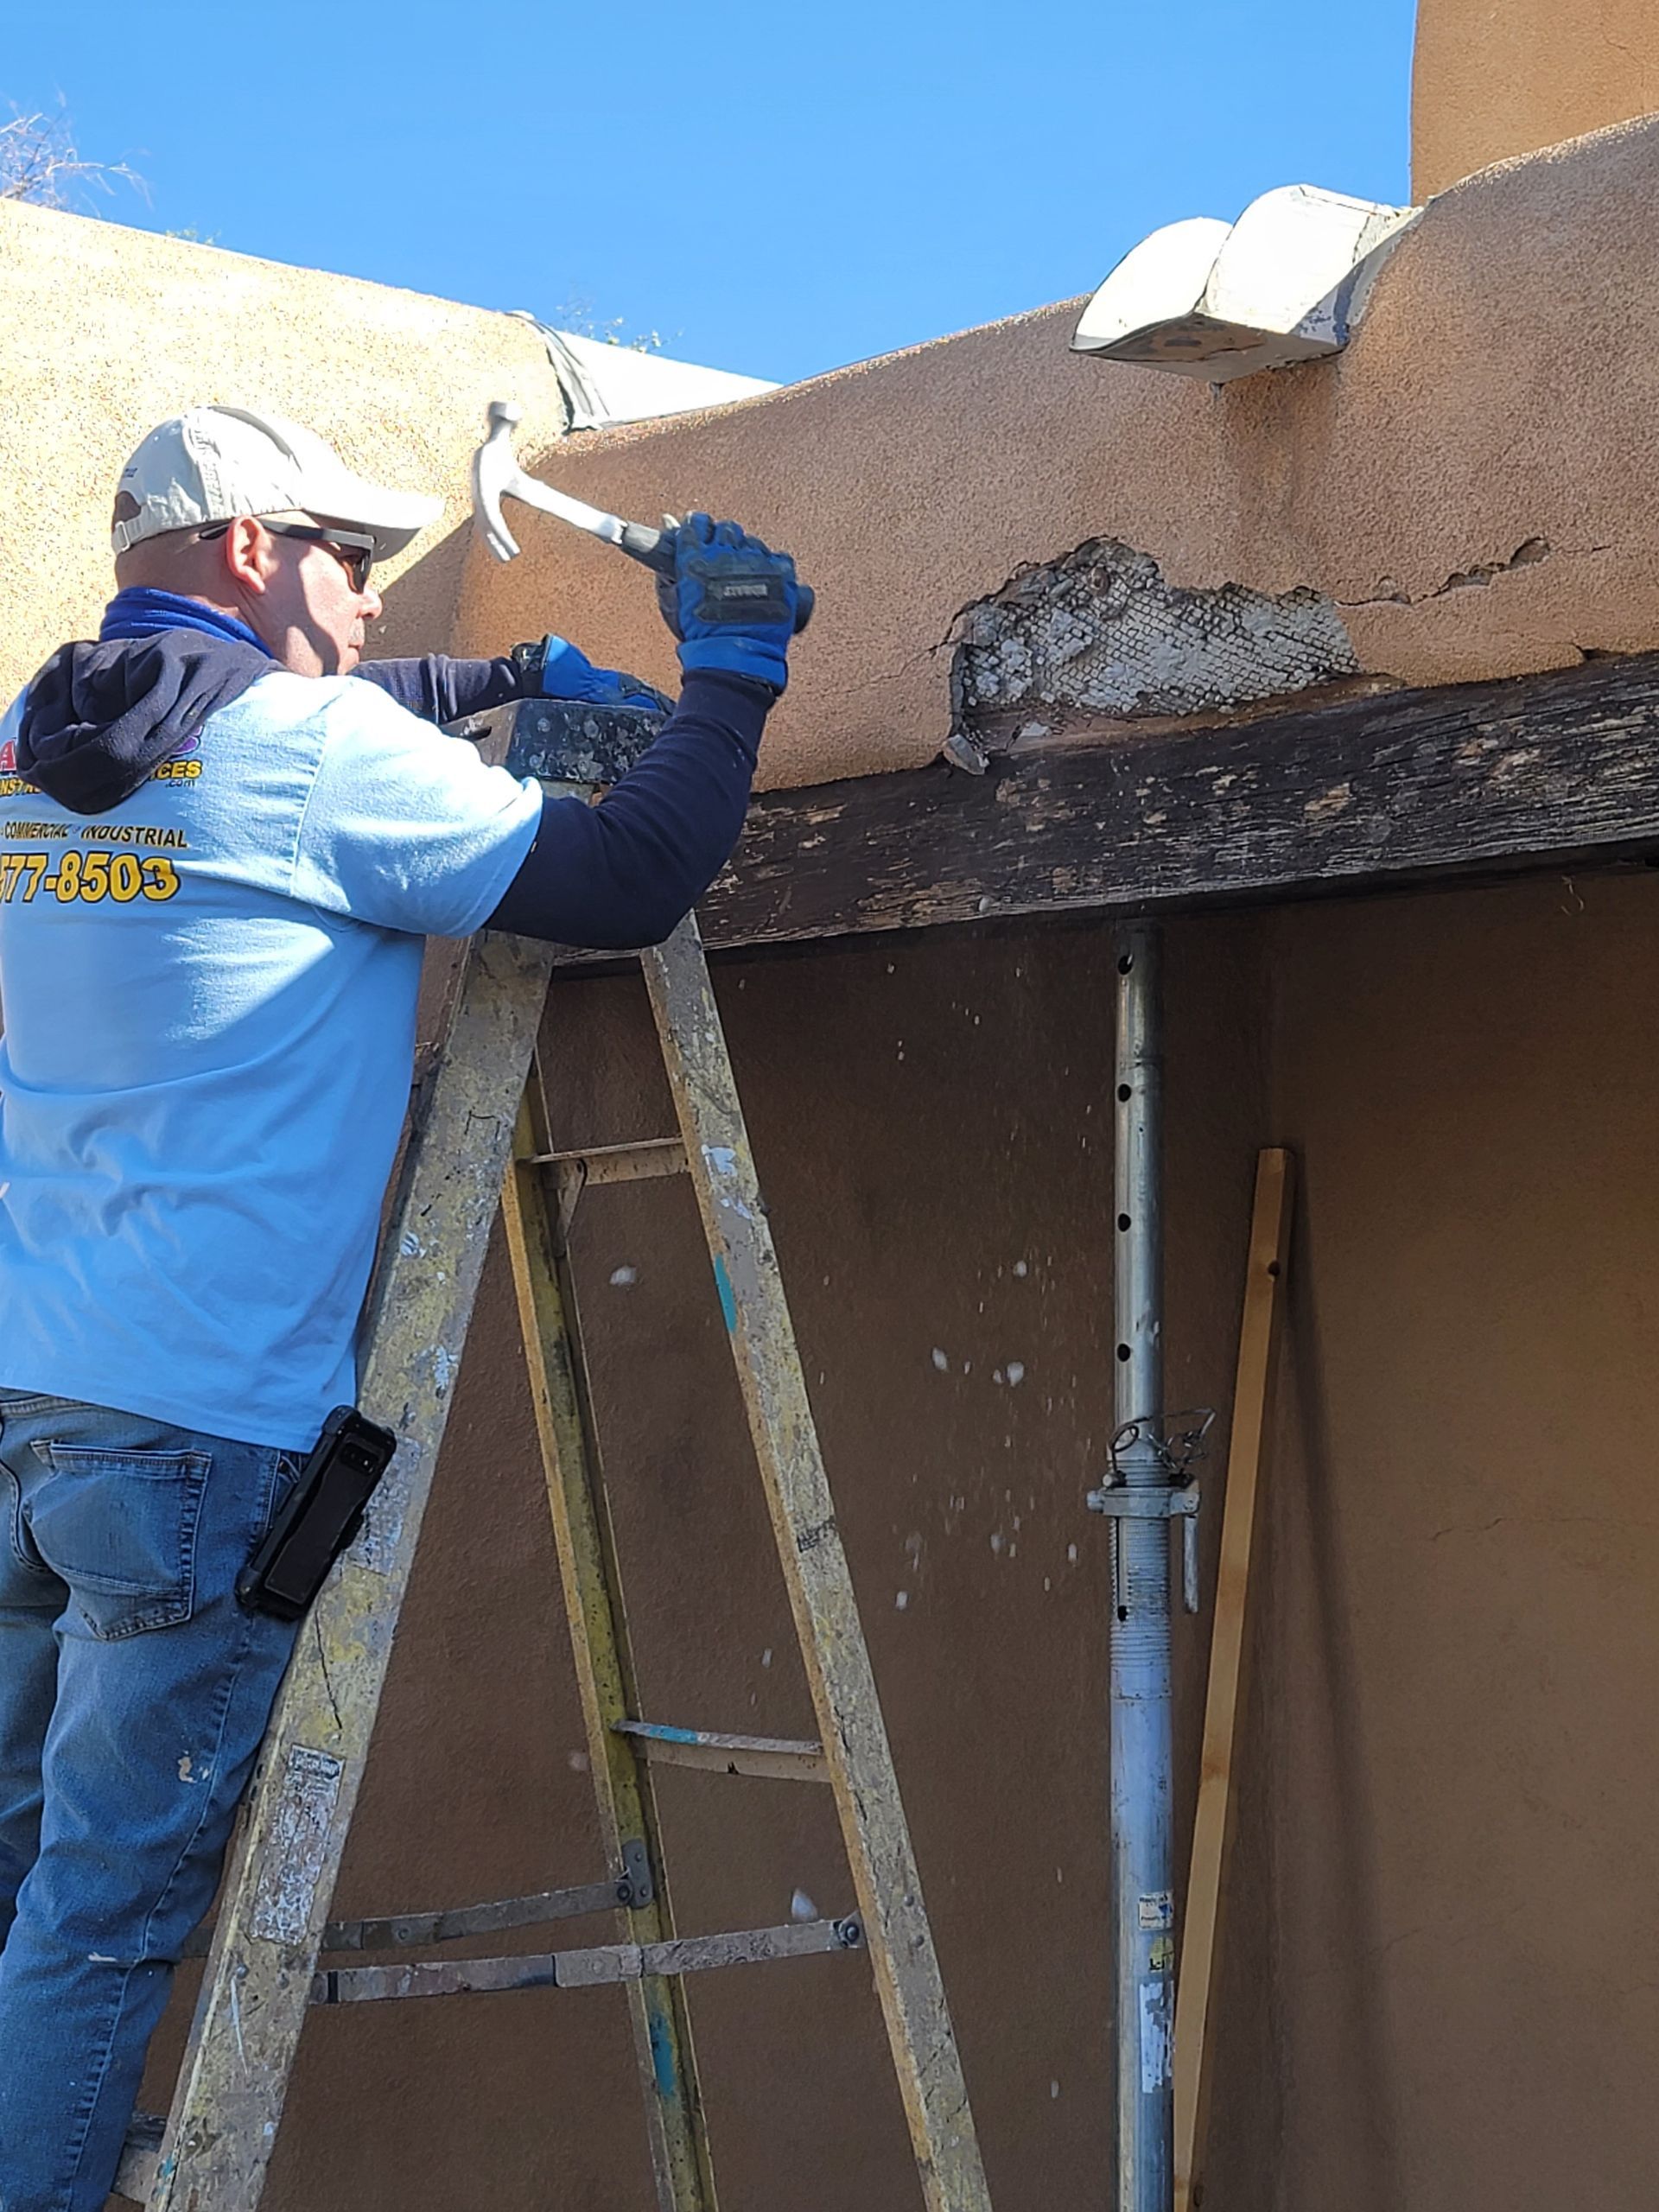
(1469, 484)
(1495, 78)
(1458, 1753)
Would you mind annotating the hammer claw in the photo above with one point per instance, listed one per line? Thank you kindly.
(497, 476)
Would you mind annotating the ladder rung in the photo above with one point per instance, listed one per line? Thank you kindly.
(617, 1163)
(609, 1962)
(782, 1757)
(399, 1931)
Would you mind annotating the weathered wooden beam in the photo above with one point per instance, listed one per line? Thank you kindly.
(1358, 794)
(1544, 771)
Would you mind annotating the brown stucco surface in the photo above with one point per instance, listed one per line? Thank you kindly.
(1440, 1988)
(1455, 1797)
(109, 331)
(1500, 399)
(1493, 78)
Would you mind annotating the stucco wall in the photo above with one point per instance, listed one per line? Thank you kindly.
(1471, 481)
(108, 331)
(1455, 1793)
(1493, 78)
(1439, 1991)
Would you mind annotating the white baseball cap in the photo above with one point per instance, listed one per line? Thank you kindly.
(212, 464)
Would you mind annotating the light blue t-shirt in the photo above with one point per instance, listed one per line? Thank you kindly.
(209, 997)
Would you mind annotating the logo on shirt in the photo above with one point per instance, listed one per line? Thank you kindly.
(166, 773)
(177, 768)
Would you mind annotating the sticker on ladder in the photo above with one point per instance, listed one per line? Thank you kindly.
(1154, 2033)
(297, 1848)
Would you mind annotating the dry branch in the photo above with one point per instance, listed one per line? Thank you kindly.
(41, 162)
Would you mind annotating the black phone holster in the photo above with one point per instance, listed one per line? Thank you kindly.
(322, 1517)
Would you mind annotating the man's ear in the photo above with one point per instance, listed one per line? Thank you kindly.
(248, 555)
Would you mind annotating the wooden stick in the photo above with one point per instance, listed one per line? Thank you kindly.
(1213, 1826)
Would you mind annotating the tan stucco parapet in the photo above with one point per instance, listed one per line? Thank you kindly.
(1491, 79)
(1472, 481)
(108, 330)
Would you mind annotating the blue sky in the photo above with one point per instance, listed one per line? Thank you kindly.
(776, 190)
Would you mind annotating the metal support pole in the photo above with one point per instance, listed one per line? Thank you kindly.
(1143, 1904)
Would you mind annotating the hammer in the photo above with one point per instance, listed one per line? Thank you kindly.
(497, 476)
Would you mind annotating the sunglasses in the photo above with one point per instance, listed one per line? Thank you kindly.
(350, 547)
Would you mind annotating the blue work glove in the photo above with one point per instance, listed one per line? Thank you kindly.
(567, 673)
(733, 603)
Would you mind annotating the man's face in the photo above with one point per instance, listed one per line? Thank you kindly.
(308, 608)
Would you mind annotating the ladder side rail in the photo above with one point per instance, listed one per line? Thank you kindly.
(595, 1608)
(926, 2060)
(239, 2058)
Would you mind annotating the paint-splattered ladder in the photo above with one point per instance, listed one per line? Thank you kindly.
(484, 1137)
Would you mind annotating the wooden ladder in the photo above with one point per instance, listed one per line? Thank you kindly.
(483, 1137)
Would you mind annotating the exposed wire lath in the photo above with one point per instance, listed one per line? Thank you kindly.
(1102, 630)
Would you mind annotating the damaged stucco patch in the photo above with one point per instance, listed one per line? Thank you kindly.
(1101, 631)
(1100, 640)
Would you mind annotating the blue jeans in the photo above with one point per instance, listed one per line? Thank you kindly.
(134, 1691)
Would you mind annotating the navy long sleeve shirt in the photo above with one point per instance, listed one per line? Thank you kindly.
(623, 873)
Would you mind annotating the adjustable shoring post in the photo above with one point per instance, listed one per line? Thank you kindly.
(1143, 1907)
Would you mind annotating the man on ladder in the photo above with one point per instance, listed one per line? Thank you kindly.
(220, 858)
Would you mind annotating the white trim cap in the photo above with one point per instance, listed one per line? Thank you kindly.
(1287, 282)
(212, 464)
